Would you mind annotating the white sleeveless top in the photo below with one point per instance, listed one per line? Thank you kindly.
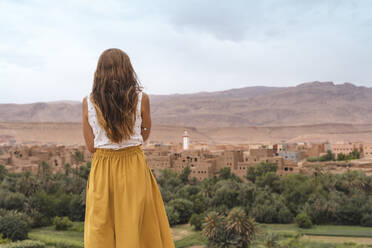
(100, 138)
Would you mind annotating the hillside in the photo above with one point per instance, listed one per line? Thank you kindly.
(306, 104)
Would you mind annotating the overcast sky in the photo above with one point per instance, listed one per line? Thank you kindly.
(49, 49)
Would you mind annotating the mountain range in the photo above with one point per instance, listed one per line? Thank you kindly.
(310, 103)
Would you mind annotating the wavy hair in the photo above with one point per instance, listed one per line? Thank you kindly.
(115, 94)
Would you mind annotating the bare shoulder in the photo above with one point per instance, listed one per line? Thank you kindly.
(145, 104)
(145, 99)
(85, 104)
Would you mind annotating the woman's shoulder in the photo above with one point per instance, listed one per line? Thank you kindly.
(144, 96)
(86, 97)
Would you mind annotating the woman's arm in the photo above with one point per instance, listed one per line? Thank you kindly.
(146, 117)
(87, 129)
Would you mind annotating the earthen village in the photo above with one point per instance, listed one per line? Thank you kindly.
(204, 160)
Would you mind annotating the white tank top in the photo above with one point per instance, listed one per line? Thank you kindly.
(100, 138)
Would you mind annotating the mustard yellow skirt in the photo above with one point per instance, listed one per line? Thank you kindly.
(124, 207)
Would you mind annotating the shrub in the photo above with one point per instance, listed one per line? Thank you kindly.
(184, 209)
(4, 241)
(196, 221)
(303, 221)
(14, 227)
(21, 215)
(367, 220)
(313, 159)
(76, 208)
(12, 200)
(172, 214)
(25, 244)
(44, 203)
(38, 219)
(62, 223)
(270, 208)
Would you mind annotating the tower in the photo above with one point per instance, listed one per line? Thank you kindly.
(185, 139)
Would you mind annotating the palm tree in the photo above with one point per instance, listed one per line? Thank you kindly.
(212, 225)
(236, 230)
(241, 225)
(28, 184)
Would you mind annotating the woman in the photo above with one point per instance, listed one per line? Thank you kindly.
(124, 207)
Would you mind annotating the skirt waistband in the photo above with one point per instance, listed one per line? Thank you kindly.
(120, 152)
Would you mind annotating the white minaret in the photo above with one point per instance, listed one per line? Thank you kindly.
(185, 138)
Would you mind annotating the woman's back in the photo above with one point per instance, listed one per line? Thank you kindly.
(101, 139)
(124, 206)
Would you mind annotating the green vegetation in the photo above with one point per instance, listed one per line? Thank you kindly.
(355, 154)
(62, 223)
(197, 221)
(318, 230)
(25, 244)
(325, 199)
(186, 237)
(303, 221)
(327, 157)
(52, 237)
(4, 240)
(235, 230)
(190, 240)
(14, 227)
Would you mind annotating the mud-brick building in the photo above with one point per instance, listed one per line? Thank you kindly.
(346, 148)
(316, 150)
(25, 158)
(287, 167)
(230, 159)
(284, 166)
(158, 157)
(202, 163)
(158, 162)
(254, 155)
(367, 150)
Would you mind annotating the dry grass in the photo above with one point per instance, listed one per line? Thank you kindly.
(330, 239)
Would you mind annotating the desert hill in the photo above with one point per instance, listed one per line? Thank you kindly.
(306, 104)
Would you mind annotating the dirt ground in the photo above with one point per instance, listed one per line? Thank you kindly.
(71, 133)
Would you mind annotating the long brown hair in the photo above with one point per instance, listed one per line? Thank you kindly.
(115, 94)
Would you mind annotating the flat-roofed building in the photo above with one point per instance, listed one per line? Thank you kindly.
(291, 155)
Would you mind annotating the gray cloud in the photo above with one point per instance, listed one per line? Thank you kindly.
(49, 49)
(242, 20)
